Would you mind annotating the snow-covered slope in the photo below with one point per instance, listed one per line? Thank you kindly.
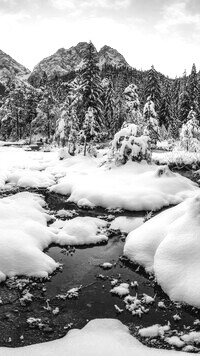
(65, 61)
(9, 68)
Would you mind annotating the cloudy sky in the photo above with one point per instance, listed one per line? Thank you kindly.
(165, 33)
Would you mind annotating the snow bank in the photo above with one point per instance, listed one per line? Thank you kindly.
(169, 246)
(133, 186)
(82, 231)
(24, 235)
(100, 337)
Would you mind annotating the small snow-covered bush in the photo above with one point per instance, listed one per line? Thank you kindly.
(126, 145)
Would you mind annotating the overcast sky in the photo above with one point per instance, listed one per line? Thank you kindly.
(165, 33)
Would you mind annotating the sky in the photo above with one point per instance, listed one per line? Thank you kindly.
(163, 33)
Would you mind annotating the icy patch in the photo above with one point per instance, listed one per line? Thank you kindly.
(83, 230)
(169, 246)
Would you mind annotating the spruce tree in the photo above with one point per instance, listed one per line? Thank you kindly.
(132, 107)
(91, 83)
(165, 113)
(184, 100)
(108, 103)
(153, 87)
(192, 87)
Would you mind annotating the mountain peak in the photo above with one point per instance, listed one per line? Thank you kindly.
(10, 68)
(109, 55)
(68, 60)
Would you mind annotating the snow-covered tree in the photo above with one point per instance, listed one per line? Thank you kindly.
(184, 100)
(192, 86)
(108, 103)
(89, 130)
(128, 145)
(190, 133)
(91, 86)
(132, 107)
(152, 87)
(151, 122)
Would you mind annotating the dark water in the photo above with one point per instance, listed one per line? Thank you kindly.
(81, 267)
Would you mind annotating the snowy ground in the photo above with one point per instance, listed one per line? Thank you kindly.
(91, 183)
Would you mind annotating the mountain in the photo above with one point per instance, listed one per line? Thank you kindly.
(110, 56)
(65, 61)
(10, 69)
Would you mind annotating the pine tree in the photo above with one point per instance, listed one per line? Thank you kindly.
(165, 113)
(184, 100)
(108, 103)
(192, 87)
(132, 107)
(153, 87)
(152, 128)
(90, 128)
(91, 84)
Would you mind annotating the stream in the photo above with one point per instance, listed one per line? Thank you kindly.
(53, 314)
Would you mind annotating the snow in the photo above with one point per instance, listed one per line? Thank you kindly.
(126, 224)
(24, 235)
(132, 187)
(177, 157)
(154, 330)
(168, 245)
(175, 341)
(121, 290)
(100, 337)
(83, 230)
(31, 178)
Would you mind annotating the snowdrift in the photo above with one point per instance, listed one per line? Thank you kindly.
(169, 246)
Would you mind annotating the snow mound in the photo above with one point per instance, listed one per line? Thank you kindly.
(126, 224)
(24, 235)
(100, 337)
(82, 231)
(134, 186)
(31, 178)
(169, 246)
